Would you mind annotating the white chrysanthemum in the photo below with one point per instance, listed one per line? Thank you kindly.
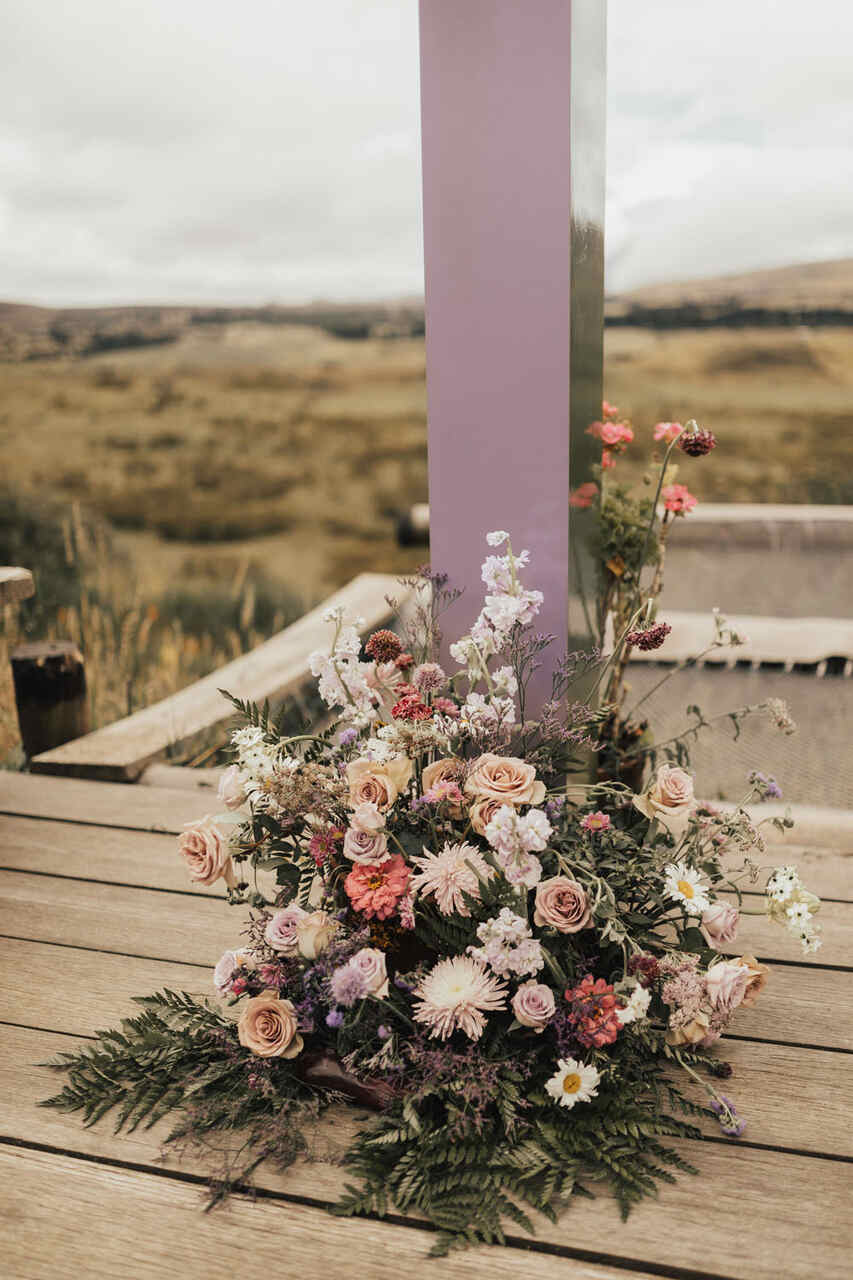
(684, 885)
(457, 993)
(449, 874)
(573, 1082)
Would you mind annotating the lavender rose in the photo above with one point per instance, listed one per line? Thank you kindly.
(314, 932)
(719, 924)
(370, 963)
(205, 851)
(231, 790)
(268, 1027)
(726, 983)
(561, 903)
(281, 932)
(669, 799)
(533, 1005)
(365, 846)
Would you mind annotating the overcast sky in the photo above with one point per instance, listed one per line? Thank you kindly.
(203, 150)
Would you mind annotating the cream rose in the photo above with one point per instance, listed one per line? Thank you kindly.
(205, 850)
(314, 932)
(482, 812)
(268, 1027)
(719, 924)
(726, 983)
(379, 784)
(533, 1005)
(669, 799)
(691, 1033)
(368, 818)
(561, 903)
(231, 791)
(370, 963)
(281, 932)
(504, 778)
(756, 979)
(365, 846)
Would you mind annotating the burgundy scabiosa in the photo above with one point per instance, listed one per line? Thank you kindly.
(695, 441)
(383, 646)
(649, 637)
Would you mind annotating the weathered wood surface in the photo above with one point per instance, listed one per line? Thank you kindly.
(274, 670)
(15, 584)
(95, 909)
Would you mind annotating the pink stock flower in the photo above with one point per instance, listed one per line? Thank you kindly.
(678, 498)
(667, 431)
(609, 410)
(376, 889)
(607, 459)
(584, 495)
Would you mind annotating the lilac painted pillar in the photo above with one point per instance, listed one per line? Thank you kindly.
(501, 98)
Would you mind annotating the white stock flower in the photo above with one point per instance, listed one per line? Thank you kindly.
(637, 1006)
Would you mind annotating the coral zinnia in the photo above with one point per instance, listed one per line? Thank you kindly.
(594, 1012)
(456, 994)
(449, 874)
(376, 888)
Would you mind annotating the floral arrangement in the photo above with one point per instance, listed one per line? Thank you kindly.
(525, 973)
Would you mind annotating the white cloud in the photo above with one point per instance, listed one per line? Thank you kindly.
(201, 150)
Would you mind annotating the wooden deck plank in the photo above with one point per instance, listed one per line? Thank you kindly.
(760, 1088)
(76, 1219)
(106, 804)
(159, 924)
(274, 670)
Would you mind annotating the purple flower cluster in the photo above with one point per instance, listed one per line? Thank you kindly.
(728, 1119)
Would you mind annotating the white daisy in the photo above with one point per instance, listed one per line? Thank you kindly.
(684, 885)
(573, 1082)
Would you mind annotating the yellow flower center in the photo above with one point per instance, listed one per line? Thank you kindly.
(375, 882)
(572, 1083)
(686, 889)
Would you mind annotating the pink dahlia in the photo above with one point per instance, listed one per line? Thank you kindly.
(456, 994)
(678, 498)
(376, 888)
(449, 874)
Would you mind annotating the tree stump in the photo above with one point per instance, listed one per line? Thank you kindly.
(50, 694)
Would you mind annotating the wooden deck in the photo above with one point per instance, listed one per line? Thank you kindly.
(96, 908)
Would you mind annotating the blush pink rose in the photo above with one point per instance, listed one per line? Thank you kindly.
(370, 963)
(561, 903)
(365, 846)
(268, 1027)
(719, 924)
(726, 983)
(506, 779)
(669, 799)
(281, 932)
(445, 770)
(231, 791)
(482, 812)
(368, 818)
(205, 850)
(534, 1006)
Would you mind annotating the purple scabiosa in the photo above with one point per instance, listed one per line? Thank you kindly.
(334, 1019)
(348, 985)
(695, 441)
(728, 1119)
(766, 786)
(649, 637)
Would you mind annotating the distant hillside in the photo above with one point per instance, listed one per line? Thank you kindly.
(817, 293)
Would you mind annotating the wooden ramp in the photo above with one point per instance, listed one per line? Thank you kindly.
(95, 909)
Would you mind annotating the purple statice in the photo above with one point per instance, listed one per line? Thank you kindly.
(554, 809)
(348, 737)
(334, 1019)
(728, 1119)
(766, 785)
(383, 1032)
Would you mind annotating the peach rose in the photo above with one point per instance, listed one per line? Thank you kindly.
(561, 903)
(268, 1027)
(533, 1005)
(504, 778)
(719, 924)
(482, 812)
(314, 932)
(756, 980)
(374, 783)
(205, 851)
(445, 770)
(669, 799)
(691, 1033)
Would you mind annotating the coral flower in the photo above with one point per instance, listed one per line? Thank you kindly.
(678, 498)
(376, 888)
(457, 993)
(594, 1012)
(584, 495)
